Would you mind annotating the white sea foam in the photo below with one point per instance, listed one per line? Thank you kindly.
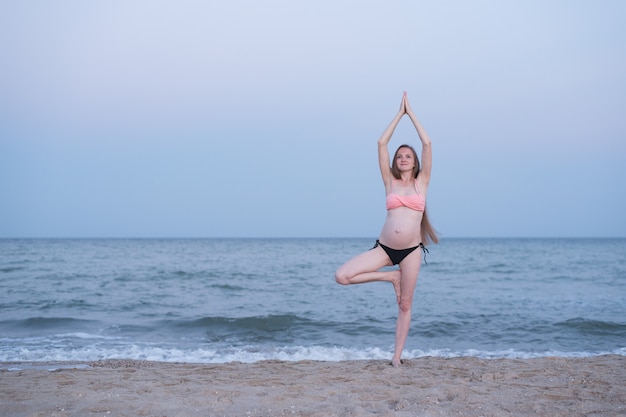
(510, 354)
(251, 355)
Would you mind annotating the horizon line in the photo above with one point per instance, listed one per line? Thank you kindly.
(287, 237)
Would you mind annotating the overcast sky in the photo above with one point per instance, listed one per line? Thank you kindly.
(260, 119)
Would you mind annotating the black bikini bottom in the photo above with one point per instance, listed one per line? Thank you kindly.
(397, 255)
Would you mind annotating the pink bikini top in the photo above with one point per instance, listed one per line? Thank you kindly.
(412, 201)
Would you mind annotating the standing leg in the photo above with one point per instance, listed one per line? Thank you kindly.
(409, 268)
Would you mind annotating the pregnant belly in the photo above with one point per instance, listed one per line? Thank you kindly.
(401, 231)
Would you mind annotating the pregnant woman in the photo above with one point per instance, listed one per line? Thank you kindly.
(406, 229)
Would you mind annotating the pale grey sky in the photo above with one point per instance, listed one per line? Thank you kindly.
(260, 119)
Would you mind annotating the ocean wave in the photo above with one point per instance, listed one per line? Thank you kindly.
(45, 323)
(271, 328)
(593, 327)
(267, 323)
(10, 269)
(253, 354)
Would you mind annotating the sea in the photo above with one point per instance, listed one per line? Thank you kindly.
(249, 300)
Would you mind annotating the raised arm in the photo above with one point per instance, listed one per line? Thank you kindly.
(383, 141)
(427, 152)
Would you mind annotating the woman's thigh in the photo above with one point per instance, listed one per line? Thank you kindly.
(370, 261)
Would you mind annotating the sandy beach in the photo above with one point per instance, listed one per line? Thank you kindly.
(422, 387)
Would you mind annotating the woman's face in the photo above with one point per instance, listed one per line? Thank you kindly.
(405, 159)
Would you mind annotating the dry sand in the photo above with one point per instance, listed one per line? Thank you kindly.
(551, 387)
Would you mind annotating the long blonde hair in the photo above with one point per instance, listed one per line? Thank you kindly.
(428, 232)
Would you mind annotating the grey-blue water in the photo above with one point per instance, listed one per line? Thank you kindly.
(221, 300)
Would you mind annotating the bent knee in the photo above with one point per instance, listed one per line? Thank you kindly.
(341, 277)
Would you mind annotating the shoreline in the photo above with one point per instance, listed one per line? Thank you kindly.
(426, 386)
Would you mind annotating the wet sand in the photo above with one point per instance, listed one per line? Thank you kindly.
(427, 387)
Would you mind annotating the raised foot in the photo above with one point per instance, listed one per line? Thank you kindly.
(397, 277)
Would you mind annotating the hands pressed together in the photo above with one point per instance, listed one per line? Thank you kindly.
(405, 106)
